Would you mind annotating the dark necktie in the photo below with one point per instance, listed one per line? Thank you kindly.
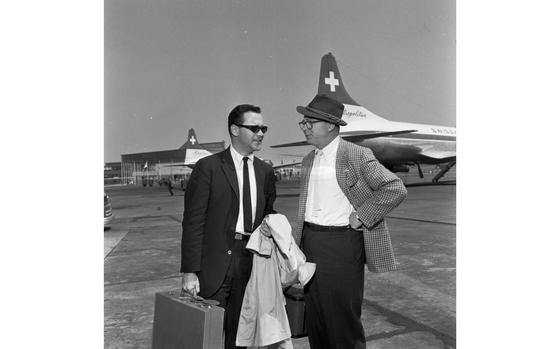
(247, 207)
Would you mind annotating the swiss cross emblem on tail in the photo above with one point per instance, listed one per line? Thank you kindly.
(331, 81)
(191, 140)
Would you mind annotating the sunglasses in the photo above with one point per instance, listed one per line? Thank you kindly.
(254, 128)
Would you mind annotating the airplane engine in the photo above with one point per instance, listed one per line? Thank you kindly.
(399, 168)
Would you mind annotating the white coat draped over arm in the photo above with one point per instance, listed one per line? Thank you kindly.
(277, 262)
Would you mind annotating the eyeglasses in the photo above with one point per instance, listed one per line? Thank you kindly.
(307, 124)
(254, 128)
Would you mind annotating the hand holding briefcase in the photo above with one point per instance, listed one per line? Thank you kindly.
(186, 322)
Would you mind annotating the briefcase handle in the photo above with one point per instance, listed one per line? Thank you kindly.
(208, 303)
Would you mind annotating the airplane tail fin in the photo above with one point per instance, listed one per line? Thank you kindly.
(330, 84)
(193, 150)
(192, 141)
(330, 81)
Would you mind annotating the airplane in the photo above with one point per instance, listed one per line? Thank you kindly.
(194, 151)
(397, 145)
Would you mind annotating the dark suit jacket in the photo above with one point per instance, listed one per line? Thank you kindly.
(210, 216)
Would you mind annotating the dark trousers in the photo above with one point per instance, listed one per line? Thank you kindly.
(231, 292)
(333, 297)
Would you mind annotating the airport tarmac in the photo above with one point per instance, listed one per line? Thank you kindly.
(414, 307)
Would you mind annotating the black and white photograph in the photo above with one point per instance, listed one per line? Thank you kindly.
(279, 174)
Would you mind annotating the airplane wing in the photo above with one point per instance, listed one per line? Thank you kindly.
(355, 136)
(179, 165)
(293, 144)
(352, 136)
(286, 165)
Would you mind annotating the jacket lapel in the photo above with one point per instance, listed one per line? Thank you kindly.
(307, 163)
(341, 167)
(229, 170)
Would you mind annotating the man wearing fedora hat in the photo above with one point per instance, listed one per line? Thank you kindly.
(345, 193)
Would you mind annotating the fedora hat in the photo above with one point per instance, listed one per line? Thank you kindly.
(324, 108)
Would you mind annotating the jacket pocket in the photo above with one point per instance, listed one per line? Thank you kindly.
(351, 178)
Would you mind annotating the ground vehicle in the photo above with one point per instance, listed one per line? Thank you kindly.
(107, 211)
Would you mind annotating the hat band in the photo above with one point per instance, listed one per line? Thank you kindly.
(320, 112)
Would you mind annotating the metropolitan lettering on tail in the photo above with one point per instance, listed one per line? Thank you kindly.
(397, 145)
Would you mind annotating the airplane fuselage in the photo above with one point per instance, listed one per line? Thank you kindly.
(438, 141)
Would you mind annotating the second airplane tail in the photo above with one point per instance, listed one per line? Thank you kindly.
(194, 151)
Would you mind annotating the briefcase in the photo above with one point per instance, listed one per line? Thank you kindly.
(295, 307)
(185, 322)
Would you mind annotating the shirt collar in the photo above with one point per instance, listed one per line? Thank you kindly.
(331, 148)
(238, 158)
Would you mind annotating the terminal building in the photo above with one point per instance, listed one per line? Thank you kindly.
(156, 166)
(161, 167)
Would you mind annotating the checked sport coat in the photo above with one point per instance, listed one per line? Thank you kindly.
(372, 190)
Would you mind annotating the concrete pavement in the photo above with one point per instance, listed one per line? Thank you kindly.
(410, 308)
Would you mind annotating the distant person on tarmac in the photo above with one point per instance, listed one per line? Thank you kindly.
(345, 194)
(170, 187)
(227, 197)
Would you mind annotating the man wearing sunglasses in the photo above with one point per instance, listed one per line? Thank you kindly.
(227, 197)
(345, 194)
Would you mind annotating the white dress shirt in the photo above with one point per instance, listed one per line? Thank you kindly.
(238, 162)
(326, 203)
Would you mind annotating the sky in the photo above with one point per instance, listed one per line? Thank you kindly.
(174, 65)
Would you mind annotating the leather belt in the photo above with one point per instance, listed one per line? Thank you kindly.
(329, 227)
(242, 236)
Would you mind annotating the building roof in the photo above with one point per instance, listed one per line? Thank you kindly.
(174, 155)
(212, 147)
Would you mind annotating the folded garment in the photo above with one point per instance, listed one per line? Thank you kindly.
(277, 263)
(296, 270)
